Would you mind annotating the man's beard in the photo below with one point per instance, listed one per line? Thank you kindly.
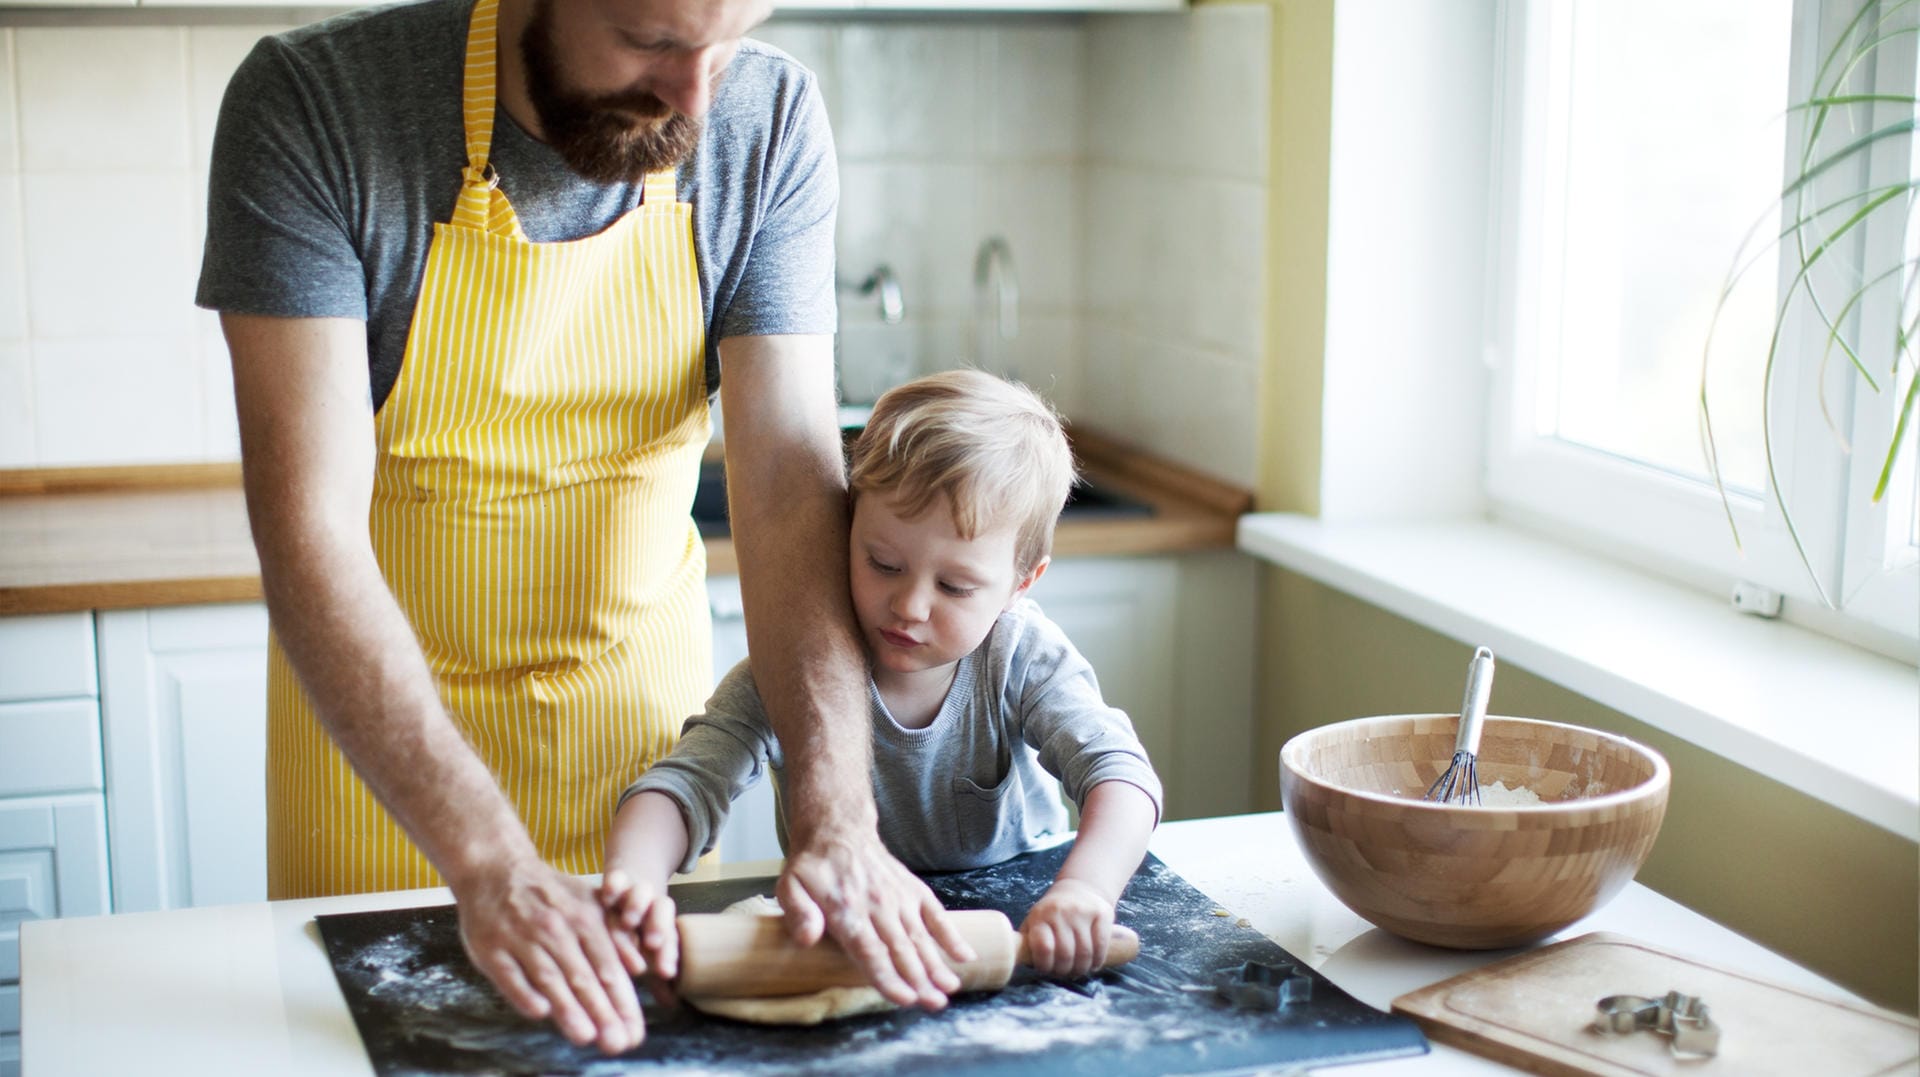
(615, 138)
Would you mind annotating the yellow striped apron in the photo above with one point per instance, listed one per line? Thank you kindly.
(536, 464)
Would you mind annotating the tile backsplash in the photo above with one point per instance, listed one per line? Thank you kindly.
(1122, 157)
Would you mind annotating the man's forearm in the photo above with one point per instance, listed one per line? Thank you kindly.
(370, 686)
(786, 494)
(807, 661)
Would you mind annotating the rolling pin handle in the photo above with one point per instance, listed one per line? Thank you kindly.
(1122, 946)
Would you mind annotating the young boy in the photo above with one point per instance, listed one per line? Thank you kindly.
(979, 703)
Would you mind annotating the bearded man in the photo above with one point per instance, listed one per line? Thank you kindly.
(481, 265)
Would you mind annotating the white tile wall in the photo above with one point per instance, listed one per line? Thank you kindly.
(9, 133)
(128, 111)
(909, 91)
(111, 399)
(1123, 157)
(16, 406)
(13, 260)
(1174, 232)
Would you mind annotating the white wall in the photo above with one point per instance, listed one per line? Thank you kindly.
(1123, 157)
(1175, 232)
(1404, 411)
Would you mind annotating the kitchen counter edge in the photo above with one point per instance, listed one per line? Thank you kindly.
(172, 535)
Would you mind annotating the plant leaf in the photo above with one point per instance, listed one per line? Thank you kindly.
(1899, 435)
(1859, 145)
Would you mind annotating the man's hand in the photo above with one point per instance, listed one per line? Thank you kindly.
(1067, 929)
(881, 914)
(542, 938)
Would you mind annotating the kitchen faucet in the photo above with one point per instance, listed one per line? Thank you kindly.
(993, 266)
(882, 280)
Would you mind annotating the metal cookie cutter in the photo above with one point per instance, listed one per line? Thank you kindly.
(1684, 1018)
(1260, 986)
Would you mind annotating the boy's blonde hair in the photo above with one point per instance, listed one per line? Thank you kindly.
(991, 448)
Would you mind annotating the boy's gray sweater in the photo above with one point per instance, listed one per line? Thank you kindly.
(975, 787)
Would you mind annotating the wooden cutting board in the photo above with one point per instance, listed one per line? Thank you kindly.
(1534, 1010)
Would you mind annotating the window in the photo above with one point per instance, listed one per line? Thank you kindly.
(1643, 151)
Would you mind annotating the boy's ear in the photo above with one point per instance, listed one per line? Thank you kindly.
(1033, 577)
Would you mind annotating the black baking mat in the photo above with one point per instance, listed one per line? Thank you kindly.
(422, 1009)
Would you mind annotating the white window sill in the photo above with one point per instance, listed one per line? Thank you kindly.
(1836, 721)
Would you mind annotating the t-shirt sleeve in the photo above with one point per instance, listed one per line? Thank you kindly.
(1081, 740)
(787, 283)
(722, 753)
(279, 235)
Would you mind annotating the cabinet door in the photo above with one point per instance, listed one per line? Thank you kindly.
(46, 656)
(183, 697)
(1119, 614)
(749, 833)
(53, 862)
(49, 747)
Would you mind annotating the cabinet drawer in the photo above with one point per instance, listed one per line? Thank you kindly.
(47, 656)
(53, 857)
(9, 1055)
(10, 1008)
(26, 893)
(198, 629)
(49, 747)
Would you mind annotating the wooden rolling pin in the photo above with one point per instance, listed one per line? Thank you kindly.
(726, 955)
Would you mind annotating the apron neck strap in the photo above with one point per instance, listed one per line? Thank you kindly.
(478, 94)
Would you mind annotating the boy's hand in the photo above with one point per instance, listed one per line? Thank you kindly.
(640, 918)
(1066, 930)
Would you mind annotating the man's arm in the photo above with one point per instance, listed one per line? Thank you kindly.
(306, 433)
(786, 493)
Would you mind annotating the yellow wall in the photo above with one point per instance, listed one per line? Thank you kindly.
(1836, 894)
(1290, 389)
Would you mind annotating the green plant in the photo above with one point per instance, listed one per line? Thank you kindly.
(1817, 222)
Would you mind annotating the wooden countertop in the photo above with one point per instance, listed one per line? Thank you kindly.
(117, 538)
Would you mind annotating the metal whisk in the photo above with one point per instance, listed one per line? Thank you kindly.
(1460, 784)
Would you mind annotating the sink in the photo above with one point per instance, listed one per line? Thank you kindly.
(1089, 501)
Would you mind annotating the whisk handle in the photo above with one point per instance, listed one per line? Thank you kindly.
(1473, 708)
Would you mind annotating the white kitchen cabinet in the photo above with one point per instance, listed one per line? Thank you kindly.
(1171, 640)
(53, 850)
(53, 862)
(46, 656)
(184, 698)
(1118, 611)
(749, 833)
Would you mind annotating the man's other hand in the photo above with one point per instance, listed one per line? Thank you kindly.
(542, 938)
(848, 885)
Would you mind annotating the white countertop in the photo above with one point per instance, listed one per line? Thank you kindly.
(247, 989)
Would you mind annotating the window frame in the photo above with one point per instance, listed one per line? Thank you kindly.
(1633, 511)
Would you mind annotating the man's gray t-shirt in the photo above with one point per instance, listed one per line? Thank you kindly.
(340, 146)
(973, 788)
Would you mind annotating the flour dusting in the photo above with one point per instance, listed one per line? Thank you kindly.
(1498, 795)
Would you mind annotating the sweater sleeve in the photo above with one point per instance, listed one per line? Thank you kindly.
(1081, 740)
(722, 753)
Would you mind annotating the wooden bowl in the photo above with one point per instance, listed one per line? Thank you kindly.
(1465, 876)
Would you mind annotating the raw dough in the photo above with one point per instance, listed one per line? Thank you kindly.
(831, 1004)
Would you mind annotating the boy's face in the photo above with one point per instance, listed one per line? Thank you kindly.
(924, 596)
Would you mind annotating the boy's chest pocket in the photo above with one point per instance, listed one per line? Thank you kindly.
(989, 817)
